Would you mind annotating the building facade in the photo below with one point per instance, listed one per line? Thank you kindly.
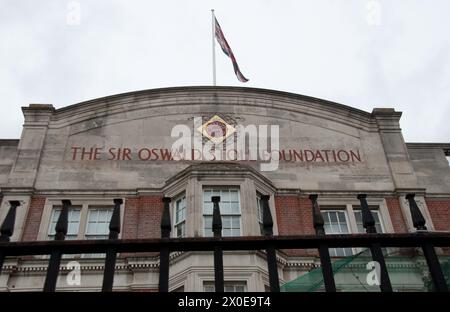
(191, 143)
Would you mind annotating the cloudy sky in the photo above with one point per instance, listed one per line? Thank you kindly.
(361, 53)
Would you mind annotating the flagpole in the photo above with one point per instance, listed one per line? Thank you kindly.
(213, 47)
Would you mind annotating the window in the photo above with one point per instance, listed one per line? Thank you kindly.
(89, 220)
(228, 286)
(335, 222)
(73, 222)
(180, 217)
(375, 214)
(259, 209)
(348, 219)
(98, 223)
(230, 211)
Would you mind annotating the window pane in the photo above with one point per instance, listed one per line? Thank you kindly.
(73, 221)
(206, 196)
(98, 222)
(234, 207)
(234, 195)
(103, 228)
(341, 216)
(235, 232)
(224, 208)
(180, 230)
(358, 216)
(91, 228)
(225, 197)
(332, 216)
(336, 223)
(226, 222)
(344, 228)
(376, 217)
(208, 208)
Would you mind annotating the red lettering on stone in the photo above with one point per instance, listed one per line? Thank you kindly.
(146, 152)
(356, 156)
(311, 153)
(74, 152)
(166, 154)
(345, 153)
(126, 154)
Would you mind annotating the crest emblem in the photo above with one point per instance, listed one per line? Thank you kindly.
(216, 129)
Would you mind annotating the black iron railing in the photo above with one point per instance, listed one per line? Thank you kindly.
(427, 241)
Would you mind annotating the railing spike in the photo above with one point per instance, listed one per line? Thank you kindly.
(318, 222)
(55, 257)
(63, 220)
(367, 217)
(164, 252)
(267, 215)
(272, 265)
(428, 249)
(166, 226)
(217, 218)
(416, 215)
(114, 224)
(111, 254)
(324, 253)
(7, 228)
(218, 253)
(375, 249)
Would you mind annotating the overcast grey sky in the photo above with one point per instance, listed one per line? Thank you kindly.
(361, 53)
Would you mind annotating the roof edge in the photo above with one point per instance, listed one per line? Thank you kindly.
(219, 89)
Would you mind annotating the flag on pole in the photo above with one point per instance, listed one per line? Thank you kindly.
(227, 50)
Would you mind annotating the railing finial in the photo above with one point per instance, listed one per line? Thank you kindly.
(7, 228)
(166, 226)
(63, 220)
(217, 218)
(114, 224)
(416, 215)
(267, 220)
(318, 222)
(366, 215)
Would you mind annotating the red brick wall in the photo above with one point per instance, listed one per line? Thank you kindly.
(395, 211)
(440, 213)
(33, 219)
(294, 217)
(142, 217)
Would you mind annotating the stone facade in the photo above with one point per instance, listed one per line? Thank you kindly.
(121, 147)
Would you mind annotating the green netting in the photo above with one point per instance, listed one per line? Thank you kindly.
(313, 280)
(407, 273)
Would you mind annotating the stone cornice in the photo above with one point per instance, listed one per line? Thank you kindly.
(444, 146)
(160, 99)
(218, 169)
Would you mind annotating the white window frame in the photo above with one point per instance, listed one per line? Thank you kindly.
(91, 208)
(349, 203)
(51, 226)
(372, 210)
(259, 212)
(174, 218)
(327, 209)
(84, 203)
(221, 188)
